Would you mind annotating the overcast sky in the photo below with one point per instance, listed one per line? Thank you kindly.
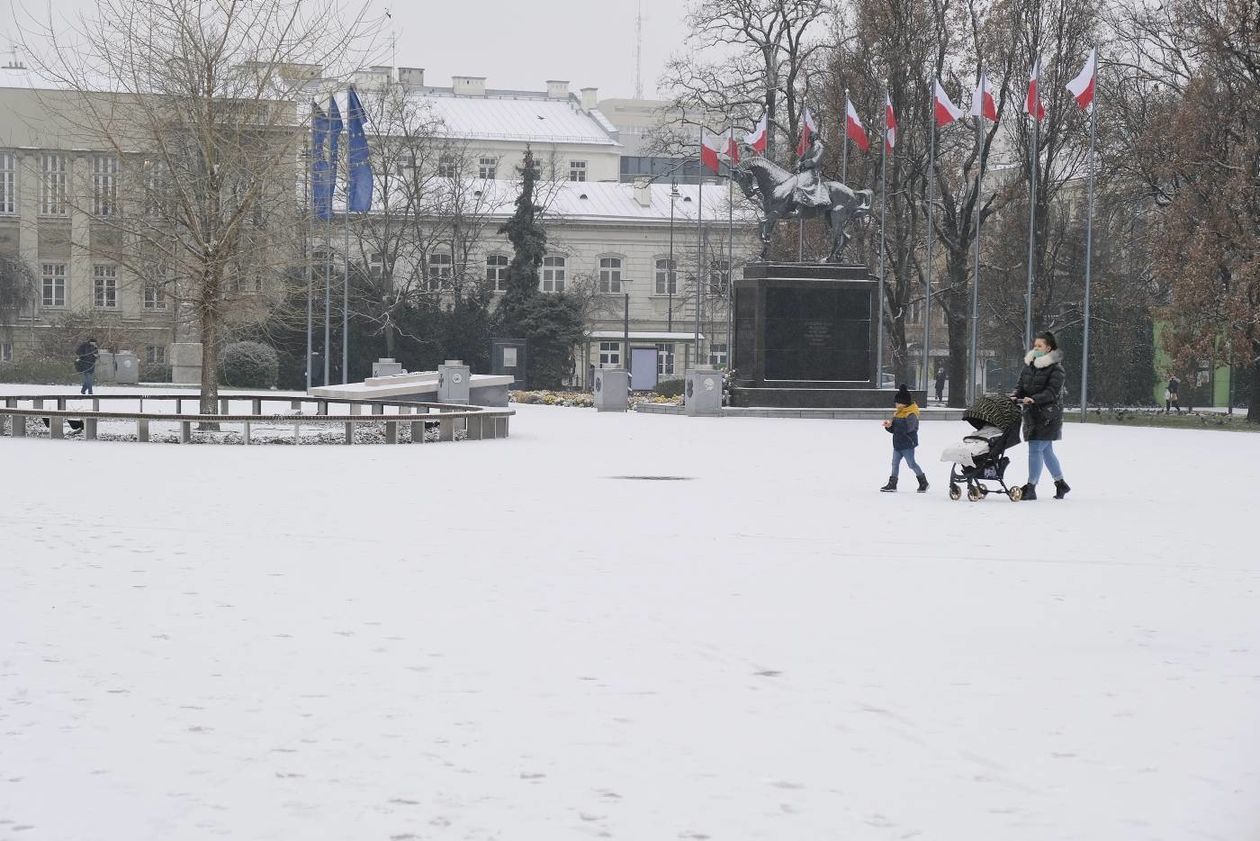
(519, 43)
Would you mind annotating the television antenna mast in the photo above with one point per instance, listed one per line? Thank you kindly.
(638, 52)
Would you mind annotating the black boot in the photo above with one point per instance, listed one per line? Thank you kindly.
(923, 485)
(1061, 488)
(891, 486)
(1030, 492)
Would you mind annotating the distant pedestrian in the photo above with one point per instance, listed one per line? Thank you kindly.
(86, 355)
(1172, 400)
(904, 427)
(1040, 390)
(940, 384)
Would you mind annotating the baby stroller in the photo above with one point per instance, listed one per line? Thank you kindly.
(981, 456)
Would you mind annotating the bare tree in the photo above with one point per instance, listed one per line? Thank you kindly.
(203, 104)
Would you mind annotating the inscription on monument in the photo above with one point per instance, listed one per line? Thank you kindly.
(817, 334)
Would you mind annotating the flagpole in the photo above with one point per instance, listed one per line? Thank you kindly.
(883, 213)
(1089, 246)
(730, 253)
(974, 353)
(844, 139)
(307, 273)
(927, 282)
(327, 296)
(1032, 216)
(699, 248)
(345, 293)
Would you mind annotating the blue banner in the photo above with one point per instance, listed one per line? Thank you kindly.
(321, 172)
(359, 181)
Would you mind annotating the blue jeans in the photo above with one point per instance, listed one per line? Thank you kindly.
(1042, 452)
(87, 382)
(908, 455)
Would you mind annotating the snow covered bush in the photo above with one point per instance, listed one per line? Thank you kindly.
(249, 365)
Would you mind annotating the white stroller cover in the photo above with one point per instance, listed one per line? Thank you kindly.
(976, 444)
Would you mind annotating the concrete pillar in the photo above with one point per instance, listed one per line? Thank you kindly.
(454, 379)
(186, 363)
(349, 432)
(702, 393)
(417, 432)
(391, 432)
(142, 430)
(612, 390)
(446, 429)
(185, 432)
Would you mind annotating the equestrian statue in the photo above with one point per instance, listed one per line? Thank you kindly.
(804, 195)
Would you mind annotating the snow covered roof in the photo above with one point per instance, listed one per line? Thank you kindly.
(517, 118)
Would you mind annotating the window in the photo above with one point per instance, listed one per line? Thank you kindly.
(376, 265)
(154, 296)
(717, 354)
(52, 197)
(441, 269)
(486, 167)
(497, 272)
(610, 275)
(105, 287)
(104, 185)
(553, 274)
(666, 277)
(155, 354)
(609, 354)
(8, 182)
(155, 181)
(577, 170)
(53, 284)
(6, 352)
(447, 168)
(719, 277)
(665, 358)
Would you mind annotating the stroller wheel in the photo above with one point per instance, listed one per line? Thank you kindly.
(955, 492)
(1016, 493)
(974, 494)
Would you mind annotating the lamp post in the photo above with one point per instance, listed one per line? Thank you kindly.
(669, 278)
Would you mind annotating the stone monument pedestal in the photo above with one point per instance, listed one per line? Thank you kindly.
(805, 338)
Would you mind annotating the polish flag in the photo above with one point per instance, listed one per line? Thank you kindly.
(710, 148)
(982, 104)
(808, 129)
(946, 111)
(758, 136)
(853, 127)
(1032, 105)
(732, 148)
(1082, 87)
(890, 123)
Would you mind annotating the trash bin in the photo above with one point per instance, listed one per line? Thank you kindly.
(126, 368)
(703, 392)
(453, 381)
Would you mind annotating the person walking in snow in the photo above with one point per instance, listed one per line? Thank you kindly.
(940, 384)
(1172, 400)
(86, 355)
(1040, 390)
(904, 427)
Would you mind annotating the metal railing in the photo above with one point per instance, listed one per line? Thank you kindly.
(58, 410)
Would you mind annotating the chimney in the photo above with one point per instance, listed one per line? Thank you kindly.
(557, 89)
(590, 99)
(643, 192)
(411, 77)
(469, 85)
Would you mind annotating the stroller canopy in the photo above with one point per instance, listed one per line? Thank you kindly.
(993, 410)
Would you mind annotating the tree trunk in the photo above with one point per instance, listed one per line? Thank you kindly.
(956, 326)
(391, 342)
(209, 355)
(1253, 406)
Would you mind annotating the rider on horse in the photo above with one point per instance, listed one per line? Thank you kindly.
(809, 190)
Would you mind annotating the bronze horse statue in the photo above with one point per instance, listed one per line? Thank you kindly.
(772, 186)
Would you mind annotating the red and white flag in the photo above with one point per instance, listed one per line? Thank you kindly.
(758, 136)
(890, 123)
(982, 103)
(732, 148)
(710, 148)
(808, 129)
(944, 108)
(1032, 105)
(1082, 87)
(853, 127)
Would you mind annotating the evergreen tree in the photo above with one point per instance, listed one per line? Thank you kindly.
(550, 323)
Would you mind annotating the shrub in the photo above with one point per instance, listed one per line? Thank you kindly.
(40, 372)
(670, 388)
(155, 372)
(249, 365)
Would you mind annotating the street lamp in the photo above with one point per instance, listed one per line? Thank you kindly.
(669, 278)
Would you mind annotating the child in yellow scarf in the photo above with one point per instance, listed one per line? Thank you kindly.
(904, 427)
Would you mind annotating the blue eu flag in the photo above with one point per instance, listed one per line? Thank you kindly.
(359, 181)
(321, 171)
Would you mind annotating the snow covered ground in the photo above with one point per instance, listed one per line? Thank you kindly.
(503, 640)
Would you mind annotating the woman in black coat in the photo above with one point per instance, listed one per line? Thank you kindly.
(1040, 389)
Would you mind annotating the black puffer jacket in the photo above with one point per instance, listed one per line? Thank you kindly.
(1042, 380)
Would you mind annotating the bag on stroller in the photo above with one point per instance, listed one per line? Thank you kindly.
(981, 456)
